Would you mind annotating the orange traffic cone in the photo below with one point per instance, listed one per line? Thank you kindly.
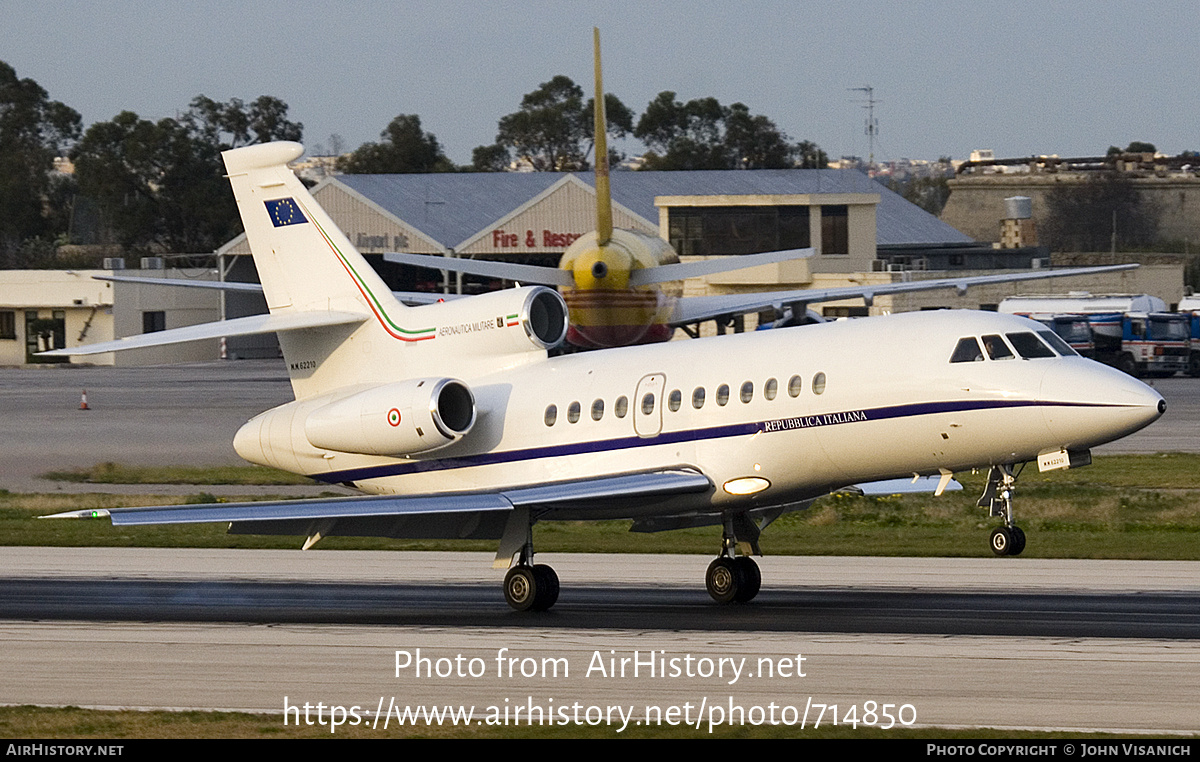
(83, 401)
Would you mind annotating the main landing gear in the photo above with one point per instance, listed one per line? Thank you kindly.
(1007, 540)
(527, 586)
(531, 587)
(730, 578)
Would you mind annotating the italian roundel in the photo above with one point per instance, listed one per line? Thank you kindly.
(285, 211)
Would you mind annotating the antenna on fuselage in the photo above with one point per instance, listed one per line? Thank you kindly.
(604, 218)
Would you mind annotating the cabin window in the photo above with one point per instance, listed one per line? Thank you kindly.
(795, 384)
(967, 351)
(996, 348)
(747, 393)
(597, 410)
(818, 383)
(675, 400)
(771, 389)
(1029, 345)
(551, 415)
(573, 412)
(648, 403)
(622, 407)
(698, 397)
(723, 395)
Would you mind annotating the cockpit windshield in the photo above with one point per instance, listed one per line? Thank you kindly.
(1026, 344)
(967, 350)
(1029, 346)
(1056, 341)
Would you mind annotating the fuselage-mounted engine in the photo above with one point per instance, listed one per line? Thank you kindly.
(399, 419)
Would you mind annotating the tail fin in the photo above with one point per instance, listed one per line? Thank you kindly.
(306, 264)
(304, 261)
(604, 217)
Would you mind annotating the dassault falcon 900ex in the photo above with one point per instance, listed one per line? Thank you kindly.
(456, 419)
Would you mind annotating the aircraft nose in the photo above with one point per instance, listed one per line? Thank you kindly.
(1087, 404)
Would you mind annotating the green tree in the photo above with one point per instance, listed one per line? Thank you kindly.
(158, 185)
(703, 134)
(493, 158)
(553, 130)
(234, 124)
(33, 131)
(1136, 146)
(404, 148)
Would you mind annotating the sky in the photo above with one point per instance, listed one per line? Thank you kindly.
(1021, 78)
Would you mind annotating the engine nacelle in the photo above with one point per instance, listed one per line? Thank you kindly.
(396, 419)
(512, 320)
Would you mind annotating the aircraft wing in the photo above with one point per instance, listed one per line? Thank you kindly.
(462, 515)
(683, 270)
(526, 274)
(245, 326)
(697, 308)
(552, 276)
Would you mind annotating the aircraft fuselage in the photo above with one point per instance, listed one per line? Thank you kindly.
(788, 415)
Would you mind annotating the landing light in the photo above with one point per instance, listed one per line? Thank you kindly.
(746, 485)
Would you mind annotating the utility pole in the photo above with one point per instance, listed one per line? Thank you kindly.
(872, 127)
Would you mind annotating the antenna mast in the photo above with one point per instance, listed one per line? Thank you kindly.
(872, 127)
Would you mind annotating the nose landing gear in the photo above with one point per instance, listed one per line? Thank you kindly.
(1007, 540)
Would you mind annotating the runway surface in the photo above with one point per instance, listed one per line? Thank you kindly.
(1013, 643)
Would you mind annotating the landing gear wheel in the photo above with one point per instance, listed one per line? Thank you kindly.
(520, 588)
(1018, 541)
(547, 587)
(1002, 541)
(723, 580)
(531, 588)
(751, 579)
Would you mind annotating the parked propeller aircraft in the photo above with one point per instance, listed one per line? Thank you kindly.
(462, 426)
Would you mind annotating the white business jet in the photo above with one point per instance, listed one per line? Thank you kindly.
(456, 419)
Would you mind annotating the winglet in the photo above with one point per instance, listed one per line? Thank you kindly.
(97, 513)
(604, 217)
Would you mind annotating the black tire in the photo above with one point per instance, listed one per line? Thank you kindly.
(521, 588)
(1018, 541)
(723, 580)
(751, 579)
(547, 587)
(1002, 541)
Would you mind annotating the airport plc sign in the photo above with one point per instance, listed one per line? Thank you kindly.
(503, 239)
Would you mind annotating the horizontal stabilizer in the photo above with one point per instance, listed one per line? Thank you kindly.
(219, 285)
(407, 297)
(245, 326)
(684, 270)
(530, 275)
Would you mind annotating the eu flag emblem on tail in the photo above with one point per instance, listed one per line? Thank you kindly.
(285, 211)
